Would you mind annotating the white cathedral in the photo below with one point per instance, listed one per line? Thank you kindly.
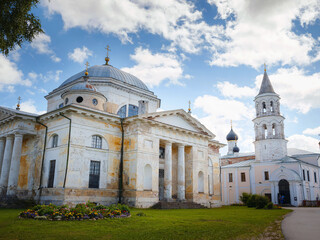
(284, 175)
(102, 140)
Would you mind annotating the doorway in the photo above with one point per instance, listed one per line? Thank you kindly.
(284, 192)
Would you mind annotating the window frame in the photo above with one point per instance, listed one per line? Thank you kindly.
(304, 174)
(52, 169)
(315, 177)
(243, 177)
(308, 175)
(55, 139)
(96, 141)
(94, 171)
(230, 177)
(266, 175)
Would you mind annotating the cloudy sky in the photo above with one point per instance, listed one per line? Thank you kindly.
(209, 52)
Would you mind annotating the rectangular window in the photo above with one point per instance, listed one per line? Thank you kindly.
(266, 175)
(230, 177)
(304, 175)
(51, 173)
(161, 153)
(315, 177)
(243, 177)
(94, 176)
(308, 176)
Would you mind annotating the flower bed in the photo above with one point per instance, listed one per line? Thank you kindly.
(81, 211)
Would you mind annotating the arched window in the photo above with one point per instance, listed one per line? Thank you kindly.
(200, 182)
(133, 110)
(273, 129)
(55, 141)
(147, 181)
(264, 108)
(271, 107)
(96, 141)
(122, 111)
(264, 131)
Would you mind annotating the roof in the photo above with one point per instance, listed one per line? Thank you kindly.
(83, 86)
(239, 164)
(108, 71)
(239, 155)
(266, 86)
(14, 111)
(232, 136)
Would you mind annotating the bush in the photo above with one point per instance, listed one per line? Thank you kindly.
(251, 202)
(261, 201)
(244, 198)
(269, 205)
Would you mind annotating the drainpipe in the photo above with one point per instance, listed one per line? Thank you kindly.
(220, 178)
(69, 137)
(43, 155)
(121, 163)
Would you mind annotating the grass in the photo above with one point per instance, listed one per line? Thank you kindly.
(219, 223)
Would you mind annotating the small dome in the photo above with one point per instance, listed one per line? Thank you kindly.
(232, 136)
(83, 86)
(236, 149)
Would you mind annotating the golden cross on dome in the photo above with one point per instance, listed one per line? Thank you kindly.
(18, 105)
(108, 50)
(86, 73)
(231, 123)
(265, 67)
(189, 109)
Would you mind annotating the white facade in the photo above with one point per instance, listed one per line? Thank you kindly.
(273, 172)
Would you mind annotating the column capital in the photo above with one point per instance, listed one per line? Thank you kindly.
(2, 139)
(18, 134)
(181, 145)
(168, 142)
(9, 137)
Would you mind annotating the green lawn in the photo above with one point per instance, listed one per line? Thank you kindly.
(218, 223)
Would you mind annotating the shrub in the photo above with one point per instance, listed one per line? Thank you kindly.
(244, 197)
(261, 201)
(251, 202)
(269, 205)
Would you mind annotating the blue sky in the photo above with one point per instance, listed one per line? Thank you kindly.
(209, 52)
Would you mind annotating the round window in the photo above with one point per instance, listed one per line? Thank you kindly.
(94, 101)
(66, 101)
(79, 99)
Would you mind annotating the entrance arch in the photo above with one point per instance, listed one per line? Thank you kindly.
(284, 190)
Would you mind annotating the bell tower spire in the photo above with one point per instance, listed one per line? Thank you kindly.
(270, 142)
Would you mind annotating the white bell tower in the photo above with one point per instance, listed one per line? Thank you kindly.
(270, 143)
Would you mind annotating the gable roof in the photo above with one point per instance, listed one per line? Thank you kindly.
(7, 114)
(193, 122)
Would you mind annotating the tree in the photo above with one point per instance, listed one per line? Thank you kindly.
(17, 24)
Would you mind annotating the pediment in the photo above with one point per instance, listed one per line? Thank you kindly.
(180, 119)
(4, 113)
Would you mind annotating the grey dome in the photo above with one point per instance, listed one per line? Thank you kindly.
(232, 136)
(108, 71)
(266, 86)
(83, 86)
(236, 149)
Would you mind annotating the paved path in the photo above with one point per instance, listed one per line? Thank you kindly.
(302, 224)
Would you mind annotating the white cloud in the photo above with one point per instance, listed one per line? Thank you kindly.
(298, 89)
(29, 106)
(219, 112)
(10, 75)
(49, 76)
(262, 31)
(303, 142)
(177, 21)
(41, 44)
(156, 68)
(80, 54)
(312, 131)
(231, 90)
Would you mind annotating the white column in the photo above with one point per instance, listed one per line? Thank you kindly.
(168, 171)
(6, 164)
(15, 164)
(237, 185)
(181, 173)
(2, 141)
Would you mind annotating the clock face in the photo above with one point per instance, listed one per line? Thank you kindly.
(94, 101)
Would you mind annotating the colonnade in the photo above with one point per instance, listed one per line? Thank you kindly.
(181, 194)
(10, 154)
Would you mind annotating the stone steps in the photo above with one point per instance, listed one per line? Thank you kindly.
(177, 205)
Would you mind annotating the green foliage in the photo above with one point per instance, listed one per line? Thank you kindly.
(215, 223)
(261, 201)
(244, 198)
(269, 205)
(17, 24)
(254, 200)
